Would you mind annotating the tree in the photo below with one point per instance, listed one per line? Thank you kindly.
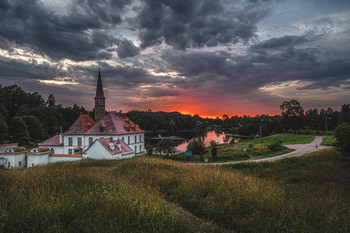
(18, 131)
(165, 146)
(196, 145)
(292, 115)
(342, 135)
(345, 113)
(34, 127)
(51, 102)
(213, 150)
(3, 130)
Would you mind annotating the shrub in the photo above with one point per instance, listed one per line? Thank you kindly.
(149, 149)
(250, 146)
(213, 150)
(196, 145)
(342, 135)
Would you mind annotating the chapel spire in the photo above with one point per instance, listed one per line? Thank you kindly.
(100, 106)
(99, 88)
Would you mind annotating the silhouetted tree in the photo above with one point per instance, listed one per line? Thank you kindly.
(292, 115)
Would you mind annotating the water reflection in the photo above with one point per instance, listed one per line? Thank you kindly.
(208, 137)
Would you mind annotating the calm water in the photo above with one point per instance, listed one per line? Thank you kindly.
(208, 137)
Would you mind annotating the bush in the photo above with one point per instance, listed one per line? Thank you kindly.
(166, 147)
(276, 146)
(196, 145)
(149, 149)
(250, 146)
(213, 150)
(342, 135)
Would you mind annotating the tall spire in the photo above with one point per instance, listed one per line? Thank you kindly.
(100, 106)
(99, 88)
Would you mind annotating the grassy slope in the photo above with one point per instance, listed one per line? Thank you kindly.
(307, 194)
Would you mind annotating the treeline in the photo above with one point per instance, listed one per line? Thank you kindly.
(27, 118)
(293, 119)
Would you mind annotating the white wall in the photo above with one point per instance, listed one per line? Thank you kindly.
(54, 159)
(85, 141)
(37, 160)
(14, 160)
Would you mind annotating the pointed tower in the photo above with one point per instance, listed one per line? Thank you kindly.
(100, 106)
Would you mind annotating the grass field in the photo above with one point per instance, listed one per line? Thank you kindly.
(331, 140)
(306, 194)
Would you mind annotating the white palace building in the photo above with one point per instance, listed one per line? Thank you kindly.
(112, 136)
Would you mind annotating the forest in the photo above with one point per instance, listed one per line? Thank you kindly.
(28, 118)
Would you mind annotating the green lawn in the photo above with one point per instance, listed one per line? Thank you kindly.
(145, 194)
(283, 139)
(331, 140)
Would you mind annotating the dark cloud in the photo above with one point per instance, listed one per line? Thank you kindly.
(278, 43)
(18, 70)
(161, 91)
(282, 59)
(197, 23)
(127, 49)
(80, 34)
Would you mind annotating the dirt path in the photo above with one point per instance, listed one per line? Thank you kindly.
(299, 150)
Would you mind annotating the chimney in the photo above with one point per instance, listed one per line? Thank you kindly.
(111, 143)
(119, 145)
(61, 136)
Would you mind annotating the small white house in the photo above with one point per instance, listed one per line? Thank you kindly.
(38, 156)
(107, 148)
(13, 157)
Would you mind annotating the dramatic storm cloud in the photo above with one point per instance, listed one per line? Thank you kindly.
(199, 56)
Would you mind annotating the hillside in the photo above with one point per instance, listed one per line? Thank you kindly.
(307, 194)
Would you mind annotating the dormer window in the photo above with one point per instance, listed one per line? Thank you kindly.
(101, 128)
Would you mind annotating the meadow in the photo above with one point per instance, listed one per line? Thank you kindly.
(146, 194)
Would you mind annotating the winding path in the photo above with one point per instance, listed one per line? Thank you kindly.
(299, 150)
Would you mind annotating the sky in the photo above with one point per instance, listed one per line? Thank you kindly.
(201, 57)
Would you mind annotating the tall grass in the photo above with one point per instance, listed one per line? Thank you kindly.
(307, 194)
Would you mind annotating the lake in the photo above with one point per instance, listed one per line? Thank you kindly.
(208, 137)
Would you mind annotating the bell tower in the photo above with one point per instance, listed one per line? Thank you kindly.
(100, 106)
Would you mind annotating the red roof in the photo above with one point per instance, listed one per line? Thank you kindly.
(114, 123)
(53, 141)
(81, 125)
(9, 144)
(99, 88)
(125, 149)
(42, 149)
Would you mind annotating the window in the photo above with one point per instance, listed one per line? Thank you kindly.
(123, 139)
(52, 151)
(90, 141)
(70, 141)
(135, 149)
(140, 148)
(128, 140)
(135, 139)
(32, 164)
(140, 138)
(9, 164)
(70, 151)
(20, 163)
(101, 128)
(79, 141)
